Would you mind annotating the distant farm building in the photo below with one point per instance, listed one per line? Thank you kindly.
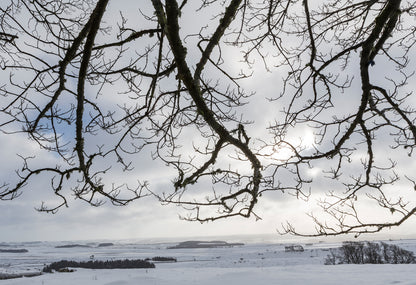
(294, 248)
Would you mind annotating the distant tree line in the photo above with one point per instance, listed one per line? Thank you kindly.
(369, 252)
(20, 250)
(97, 264)
(162, 259)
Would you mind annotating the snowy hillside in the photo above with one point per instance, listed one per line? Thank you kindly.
(251, 264)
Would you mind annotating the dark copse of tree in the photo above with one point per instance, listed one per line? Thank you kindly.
(96, 264)
(369, 252)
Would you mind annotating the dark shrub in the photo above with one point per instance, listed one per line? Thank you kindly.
(105, 244)
(331, 258)
(396, 255)
(373, 253)
(352, 252)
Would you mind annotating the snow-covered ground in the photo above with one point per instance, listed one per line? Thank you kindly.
(253, 264)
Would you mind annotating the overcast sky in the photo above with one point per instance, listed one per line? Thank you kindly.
(147, 218)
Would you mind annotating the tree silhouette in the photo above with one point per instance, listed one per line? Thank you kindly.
(97, 89)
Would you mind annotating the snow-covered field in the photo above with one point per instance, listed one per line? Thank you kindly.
(253, 263)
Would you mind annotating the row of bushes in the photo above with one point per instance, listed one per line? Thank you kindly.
(96, 264)
(162, 259)
(370, 252)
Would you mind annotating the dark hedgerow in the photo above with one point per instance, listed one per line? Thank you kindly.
(97, 264)
(164, 259)
(369, 252)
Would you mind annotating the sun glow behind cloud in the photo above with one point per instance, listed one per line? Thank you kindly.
(284, 150)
